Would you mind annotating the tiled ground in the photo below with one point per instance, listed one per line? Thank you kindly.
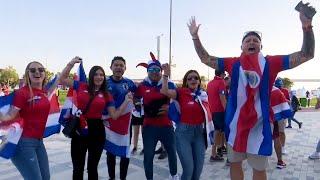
(300, 143)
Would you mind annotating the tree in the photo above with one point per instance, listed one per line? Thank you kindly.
(9, 76)
(49, 75)
(287, 83)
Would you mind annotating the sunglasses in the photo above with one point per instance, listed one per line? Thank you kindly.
(193, 78)
(33, 70)
(154, 70)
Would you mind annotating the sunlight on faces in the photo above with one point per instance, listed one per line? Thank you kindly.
(36, 73)
(193, 81)
(154, 73)
(118, 68)
(98, 78)
(251, 45)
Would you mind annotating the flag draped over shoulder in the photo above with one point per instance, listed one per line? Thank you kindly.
(70, 106)
(118, 133)
(202, 97)
(11, 131)
(280, 105)
(248, 126)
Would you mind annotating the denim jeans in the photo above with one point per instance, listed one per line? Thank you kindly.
(191, 150)
(151, 135)
(31, 159)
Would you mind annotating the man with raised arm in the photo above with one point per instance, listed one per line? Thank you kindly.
(248, 128)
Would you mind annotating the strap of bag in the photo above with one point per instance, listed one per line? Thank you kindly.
(88, 105)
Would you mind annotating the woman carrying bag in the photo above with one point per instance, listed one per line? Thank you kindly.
(92, 98)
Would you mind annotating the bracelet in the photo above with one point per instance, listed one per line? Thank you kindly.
(307, 28)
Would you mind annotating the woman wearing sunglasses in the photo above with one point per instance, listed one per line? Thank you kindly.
(190, 139)
(92, 98)
(31, 103)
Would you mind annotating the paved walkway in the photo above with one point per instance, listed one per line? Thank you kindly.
(300, 143)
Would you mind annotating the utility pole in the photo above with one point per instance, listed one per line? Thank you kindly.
(170, 63)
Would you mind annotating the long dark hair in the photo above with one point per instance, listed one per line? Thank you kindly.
(184, 81)
(91, 87)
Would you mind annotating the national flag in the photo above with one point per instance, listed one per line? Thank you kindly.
(248, 126)
(11, 131)
(118, 133)
(280, 105)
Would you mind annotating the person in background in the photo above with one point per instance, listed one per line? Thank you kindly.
(295, 106)
(216, 90)
(316, 154)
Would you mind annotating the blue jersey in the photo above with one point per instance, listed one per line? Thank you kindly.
(119, 89)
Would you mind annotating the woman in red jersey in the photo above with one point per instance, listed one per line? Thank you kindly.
(92, 98)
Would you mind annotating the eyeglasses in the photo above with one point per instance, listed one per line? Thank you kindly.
(33, 70)
(154, 70)
(193, 78)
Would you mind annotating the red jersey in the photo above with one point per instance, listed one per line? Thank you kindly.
(97, 105)
(34, 111)
(153, 100)
(215, 88)
(191, 110)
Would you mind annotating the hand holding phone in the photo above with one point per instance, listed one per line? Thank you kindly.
(308, 11)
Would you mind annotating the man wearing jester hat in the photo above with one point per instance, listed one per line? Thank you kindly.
(248, 128)
(156, 125)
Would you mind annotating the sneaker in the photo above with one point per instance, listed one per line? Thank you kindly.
(289, 126)
(281, 165)
(315, 155)
(134, 151)
(159, 151)
(141, 152)
(163, 155)
(216, 158)
(300, 124)
(283, 151)
(175, 177)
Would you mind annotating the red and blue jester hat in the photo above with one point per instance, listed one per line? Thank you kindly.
(152, 62)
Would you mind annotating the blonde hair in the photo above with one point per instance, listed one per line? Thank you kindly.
(27, 79)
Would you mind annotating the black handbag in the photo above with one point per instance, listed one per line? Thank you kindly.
(72, 126)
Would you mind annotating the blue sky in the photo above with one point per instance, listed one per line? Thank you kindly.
(53, 32)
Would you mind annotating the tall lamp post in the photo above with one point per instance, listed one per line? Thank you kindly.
(170, 63)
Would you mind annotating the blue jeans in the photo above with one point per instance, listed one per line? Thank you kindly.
(31, 159)
(151, 135)
(191, 150)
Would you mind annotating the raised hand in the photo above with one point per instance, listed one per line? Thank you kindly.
(75, 60)
(306, 8)
(166, 69)
(193, 27)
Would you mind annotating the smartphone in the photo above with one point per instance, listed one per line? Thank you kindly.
(307, 11)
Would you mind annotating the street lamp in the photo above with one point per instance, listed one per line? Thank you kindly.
(170, 37)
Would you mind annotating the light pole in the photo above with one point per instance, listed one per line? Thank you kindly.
(170, 37)
(158, 46)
